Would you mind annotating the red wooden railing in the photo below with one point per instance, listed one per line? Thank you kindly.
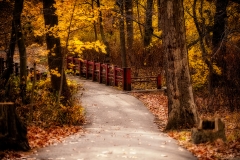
(108, 74)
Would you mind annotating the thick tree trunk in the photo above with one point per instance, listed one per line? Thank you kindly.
(182, 109)
(55, 55)
(148, 30)
(13, 133)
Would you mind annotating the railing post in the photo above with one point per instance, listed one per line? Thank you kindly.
(75, 60)
(114, 75)
(16, 69)
(87, 66)
(69, 60)
(107, 72)
(100, 73)
(127, 79)
(80, 68)
(159, 81)
(93, 70)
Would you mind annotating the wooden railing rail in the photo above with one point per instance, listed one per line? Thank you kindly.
(108, 74)
(16, 70)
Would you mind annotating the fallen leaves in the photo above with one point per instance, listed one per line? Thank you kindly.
(39, 137)
(157, 103)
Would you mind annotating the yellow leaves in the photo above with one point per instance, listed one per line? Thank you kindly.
(55, 72)
(78, 46)
(71, 65)
(198, 68)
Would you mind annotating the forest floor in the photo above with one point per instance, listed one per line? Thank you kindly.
(118, 127)
(157, 103)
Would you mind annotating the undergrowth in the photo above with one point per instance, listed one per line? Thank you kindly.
(42, 110)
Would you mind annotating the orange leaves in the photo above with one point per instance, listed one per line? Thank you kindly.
(39, 137)
(157, 103)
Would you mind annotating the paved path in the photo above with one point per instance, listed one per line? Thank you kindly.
(120, 127)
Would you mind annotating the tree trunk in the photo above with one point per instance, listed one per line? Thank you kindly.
(10, 53)
(94, 24)
(219, 33)
(18, 7)
(55, 55)
(122, 34)
(138, 17)
(129, 23)
(182, 109)
(8, 27)
(201, 34)
(159, 15)
(13, 133)
(107, 59)
(148, 30)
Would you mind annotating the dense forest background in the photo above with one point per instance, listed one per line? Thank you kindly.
(127, 33)
(96, 30)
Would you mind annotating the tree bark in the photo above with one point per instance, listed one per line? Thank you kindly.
(182, 109)
(13, 133)
(122, 34)
(201, 34)
(7, 28)
(18, 7)
(148, 30)
(94, 24)
(10, 53)
(219, 33)
(138, 17)
(107, 59)
(159, 15)
(55, 54)
(129, 23)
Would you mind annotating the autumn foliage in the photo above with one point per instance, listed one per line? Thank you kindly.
(91, 30)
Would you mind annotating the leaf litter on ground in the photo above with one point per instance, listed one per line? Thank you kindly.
(41, 137)
(157, 103)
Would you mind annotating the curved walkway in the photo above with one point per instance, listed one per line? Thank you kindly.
(119, 127)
